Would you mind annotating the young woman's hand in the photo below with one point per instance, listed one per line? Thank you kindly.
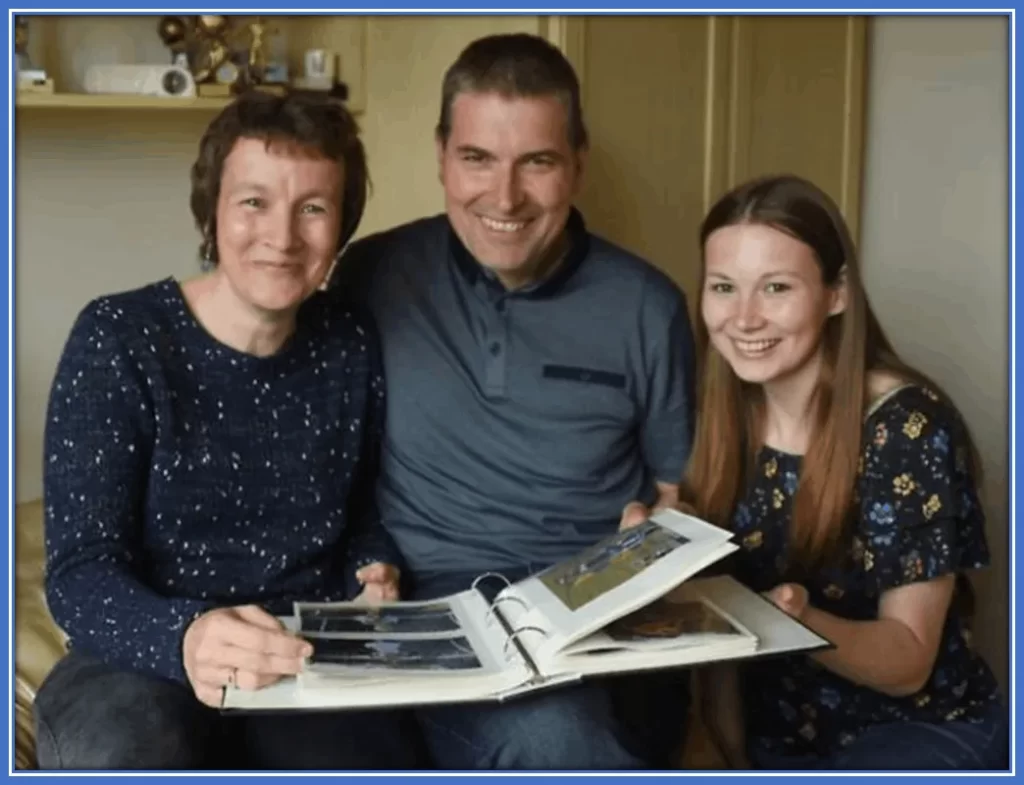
(791, 598)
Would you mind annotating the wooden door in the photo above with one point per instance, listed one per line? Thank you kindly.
(680, 108)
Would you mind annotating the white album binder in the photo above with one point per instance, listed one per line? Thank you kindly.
(625, 604)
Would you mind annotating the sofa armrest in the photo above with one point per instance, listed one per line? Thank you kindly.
(38, 642)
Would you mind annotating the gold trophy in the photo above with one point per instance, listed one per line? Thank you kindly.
(174, 34)
(260, 72)
(257, 51)
(213, 59)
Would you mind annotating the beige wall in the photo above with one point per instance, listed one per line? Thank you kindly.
(934, 237)
(102, 197)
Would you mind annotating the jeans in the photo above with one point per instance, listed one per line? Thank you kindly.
(90, 715)
(910, 746)
(627, 722)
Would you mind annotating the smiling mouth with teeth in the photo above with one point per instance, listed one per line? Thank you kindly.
(757, 347)
(503, 226)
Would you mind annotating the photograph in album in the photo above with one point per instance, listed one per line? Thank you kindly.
(416, 619)
(408, 654)
(609, 564)
(665, 619)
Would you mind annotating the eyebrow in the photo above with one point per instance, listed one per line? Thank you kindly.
(772, 274)
(247, 185)
(544, 153)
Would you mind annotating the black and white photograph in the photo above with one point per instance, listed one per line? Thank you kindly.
(436, 617)
(429, 654)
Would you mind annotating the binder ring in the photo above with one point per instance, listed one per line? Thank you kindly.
(497, 575)
(511, 638)
(490, 608)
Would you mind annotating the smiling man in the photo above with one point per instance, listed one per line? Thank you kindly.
(540, 378)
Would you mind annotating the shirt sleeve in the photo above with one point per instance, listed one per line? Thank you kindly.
(668, 400)
(98, 437)
(370, 541)
(920, 514)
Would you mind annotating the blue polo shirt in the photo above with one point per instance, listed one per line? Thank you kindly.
(519, 423)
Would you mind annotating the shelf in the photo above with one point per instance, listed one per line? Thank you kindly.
(98, 101)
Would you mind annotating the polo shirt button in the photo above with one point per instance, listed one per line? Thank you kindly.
(495, 348)
(500, 306)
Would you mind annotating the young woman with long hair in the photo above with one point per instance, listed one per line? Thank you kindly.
(850, 481)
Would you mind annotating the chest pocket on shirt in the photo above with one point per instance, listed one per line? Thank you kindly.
(573, 373)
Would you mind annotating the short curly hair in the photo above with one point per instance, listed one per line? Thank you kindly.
(317, 124)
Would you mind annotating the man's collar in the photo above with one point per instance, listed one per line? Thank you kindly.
(579, 245)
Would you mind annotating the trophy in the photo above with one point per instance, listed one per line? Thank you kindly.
(213, 61)
(223, 60)
(257, 52)
(174, 34)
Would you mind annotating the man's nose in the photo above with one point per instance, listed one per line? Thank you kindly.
(510, 191)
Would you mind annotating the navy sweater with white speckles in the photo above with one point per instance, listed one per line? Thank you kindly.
(181, 475)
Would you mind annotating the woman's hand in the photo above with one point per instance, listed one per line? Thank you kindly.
(380, 583)
(245, 646)
(791, 598)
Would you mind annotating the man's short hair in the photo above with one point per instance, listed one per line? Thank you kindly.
(514, 65)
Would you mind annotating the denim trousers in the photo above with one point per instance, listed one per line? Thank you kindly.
(90, 715)
(626, 722)
(910, 746)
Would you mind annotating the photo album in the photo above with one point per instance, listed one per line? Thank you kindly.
(623, 605)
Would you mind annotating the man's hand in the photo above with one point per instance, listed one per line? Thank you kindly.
(792, 598)
(380, 583)
(245, 646)
(635, 513)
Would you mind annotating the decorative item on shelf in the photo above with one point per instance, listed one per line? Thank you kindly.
(320, 74)
(163, 81)
(257, 65)
(199, 44)
(22, 62)
(318, 70)
(256, 73)
(174, 34)
(211, 62)
(267, 58)
(29, 78)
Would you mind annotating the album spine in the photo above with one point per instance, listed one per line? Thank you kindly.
(512, 633)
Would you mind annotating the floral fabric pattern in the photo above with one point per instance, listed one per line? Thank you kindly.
(919, 519)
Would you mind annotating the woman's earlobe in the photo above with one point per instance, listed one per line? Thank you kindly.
(840, 294)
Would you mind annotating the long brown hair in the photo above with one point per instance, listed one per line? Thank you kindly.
(731, 416)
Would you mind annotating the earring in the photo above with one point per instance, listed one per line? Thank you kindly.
(208, 245)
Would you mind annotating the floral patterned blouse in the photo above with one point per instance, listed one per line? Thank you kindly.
(920, 519)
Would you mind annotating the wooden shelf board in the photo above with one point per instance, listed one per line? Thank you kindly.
(104, 101)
